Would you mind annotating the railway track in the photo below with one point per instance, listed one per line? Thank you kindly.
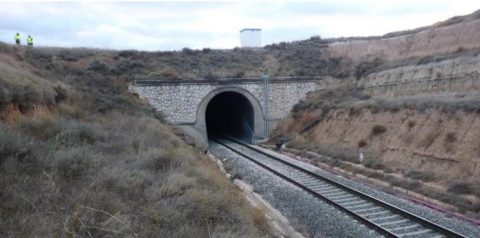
(383, 217)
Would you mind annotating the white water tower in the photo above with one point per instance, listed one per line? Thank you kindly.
(251, 37)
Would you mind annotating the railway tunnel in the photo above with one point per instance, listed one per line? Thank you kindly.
(230, 114)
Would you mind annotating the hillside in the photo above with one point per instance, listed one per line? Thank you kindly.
(456, 34)
(411, 107)
(81, 156)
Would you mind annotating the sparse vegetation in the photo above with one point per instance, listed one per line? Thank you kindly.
(96, 161)
(420, 175)
(362, 143)
(378, 129)
(411, 124)
(450, 137)
(366, 67)
(374, 163)
(461, 187)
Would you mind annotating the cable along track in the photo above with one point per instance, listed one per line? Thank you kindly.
(383, 217)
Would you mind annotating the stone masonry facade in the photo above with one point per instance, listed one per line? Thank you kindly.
(180, 101)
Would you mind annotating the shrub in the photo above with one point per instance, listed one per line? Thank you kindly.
(461, 187)
(420, 175)
(128, 66)
(239, 74)
(127, 53)
(451, 137)
(74, 163)
(411, 124)
(98, 66)
(42, 129)
(129, 183)
(366, 67)
(374, 163)
(362, 143)
(169, 74)
(407, 184)
(414, 185)
(161, 160)
(388, 170)
(176, 184)
(378, 129)
(75, 134)
(13, 145)
(211, 76)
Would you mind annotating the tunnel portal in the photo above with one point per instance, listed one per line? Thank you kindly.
(232, 114)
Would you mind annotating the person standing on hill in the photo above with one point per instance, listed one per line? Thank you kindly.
(29, 41)
(17, 38)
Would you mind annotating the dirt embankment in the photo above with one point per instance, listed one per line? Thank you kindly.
(413, 110)
(443, 37)
(426, 144)
(443, 143)
(457, 74)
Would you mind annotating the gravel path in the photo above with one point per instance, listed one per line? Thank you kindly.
(307, 214)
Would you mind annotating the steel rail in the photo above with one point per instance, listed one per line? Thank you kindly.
(426, 223)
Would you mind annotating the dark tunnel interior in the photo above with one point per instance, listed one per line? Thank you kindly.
(231, 114)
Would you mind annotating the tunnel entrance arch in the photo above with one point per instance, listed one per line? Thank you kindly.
(231, 114)
(231, 106)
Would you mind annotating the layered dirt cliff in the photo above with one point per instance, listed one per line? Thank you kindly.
(449, 36)
(440, 74)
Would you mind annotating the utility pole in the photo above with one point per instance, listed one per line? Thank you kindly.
(265, 96)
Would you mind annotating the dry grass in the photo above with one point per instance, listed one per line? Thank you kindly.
(420, 175)
(461, 187)
(102, 185)
(100, 163)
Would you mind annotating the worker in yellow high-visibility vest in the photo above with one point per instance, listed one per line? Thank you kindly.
(17, 38)
(29, 41)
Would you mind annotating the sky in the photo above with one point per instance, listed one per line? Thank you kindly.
(161, 25)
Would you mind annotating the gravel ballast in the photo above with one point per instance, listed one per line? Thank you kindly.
(463, 227)
(314, 217)
(307, 214)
